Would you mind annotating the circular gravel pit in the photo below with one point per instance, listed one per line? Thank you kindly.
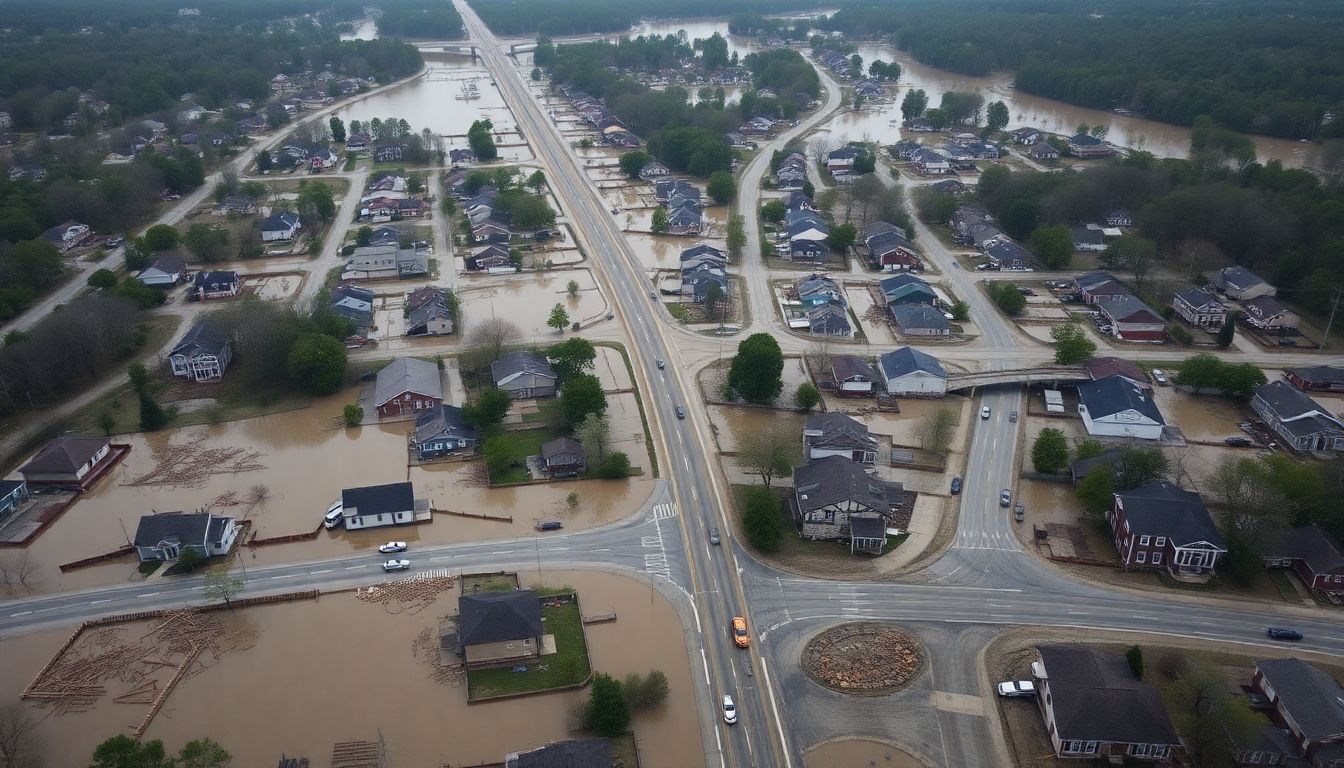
(863, 658)
(860, 753)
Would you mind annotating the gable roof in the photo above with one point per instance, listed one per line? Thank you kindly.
(1129, 308)
(833, 479)
(1263, 307)
(1005, 251)
(575, 753)
(203, 337)
(64, 454)
(178, 527)
(407, 374)
(907, 360)
(1165, 510)
(1237, 278)
(1102, 367)
(1312, 697)
(829, 317)
(446, 420)
(494, 617)
(844, 367)
(902, 280)
(1117, 394)
(1319, 374)
(521, 361)
(168, 265)
(1092, 281)
(1197, 297)
(212, 281)
(280, 221)
(919, 316)
(1298, 413)
(880, 228)
(1096, 698)
(561, 446)
(1309, 543)
(1081, 467)
(838, 429)
(378, 499)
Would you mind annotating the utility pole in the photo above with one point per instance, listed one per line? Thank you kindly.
(1334, 306)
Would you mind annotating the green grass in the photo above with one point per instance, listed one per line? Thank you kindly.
(548, 412)
(679, 312)
(643, 417)
(521, 444)
(567, 666)
(1280, 579)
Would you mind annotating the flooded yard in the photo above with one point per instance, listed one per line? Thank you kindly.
(733, 423)
(1201, 417)
(527, 299)
(296, 674)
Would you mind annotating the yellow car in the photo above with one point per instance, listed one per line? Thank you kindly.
(740, 636)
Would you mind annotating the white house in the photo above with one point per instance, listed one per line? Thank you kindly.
(281, 225)
(1116, 407)
(202, 355)
(374, 506)
(908, 371)
(167, 536)
(165, 271)
(853, 376)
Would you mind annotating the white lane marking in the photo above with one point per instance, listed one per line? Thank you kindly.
(354, 567)
(20, 613)
(44, 610)
(603, 549)
(705, 661)
(197, 589)
(97, 602)
(324, 570)
(149, 594)
(285, 576)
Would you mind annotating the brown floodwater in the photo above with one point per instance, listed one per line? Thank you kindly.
(338, 669)
(1202, 417)
(430, 101)
(859, 753)
(526, 300)
(732, 423)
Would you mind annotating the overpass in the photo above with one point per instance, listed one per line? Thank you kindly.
(517, 48)
(1041, 375)
(459, 49)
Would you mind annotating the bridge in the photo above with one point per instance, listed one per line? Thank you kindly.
(1041, 375)
(453, 48)
(517, 48)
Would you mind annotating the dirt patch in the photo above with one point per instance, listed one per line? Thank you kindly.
(863, 658)
(851, 752)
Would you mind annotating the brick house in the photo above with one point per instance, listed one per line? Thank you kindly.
(1159, 525)
(1314, 555)
(1308, 703)
(407, 387)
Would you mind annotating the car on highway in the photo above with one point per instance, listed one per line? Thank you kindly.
(681, 412)
(729, 710)
(1005, 498)
(661, 364)
(713, 535)
(1159, 376)
(396, 565)
(956, 484)
(739, 628)
(1012, 416)
(1016, 689)
(1238, 442)
(392, 547)
(1283, 633)
(984, 412)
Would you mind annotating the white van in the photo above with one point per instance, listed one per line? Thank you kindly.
(335, 515)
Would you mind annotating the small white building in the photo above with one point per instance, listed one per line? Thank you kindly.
(1116, 407)
(281, 225)
(165, 271)
(908, 371)
(374, 506)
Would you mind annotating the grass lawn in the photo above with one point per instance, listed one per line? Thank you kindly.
(567, 666)
(548, 412)
(521, 444)
(1281, 580)
(679, 312)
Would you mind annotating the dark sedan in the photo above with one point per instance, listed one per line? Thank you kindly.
(1283, 633)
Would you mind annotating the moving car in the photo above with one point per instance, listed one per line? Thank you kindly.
(1005, 498)
(397, 565)
(661, 364)
(392, 547)
(729, 710)
(713, 535)
(984, 412)
(334, 515)
(681, 413)
(1283, 633)
(1014, 689)
(1012, 416)
(740, 636)
(956, 484)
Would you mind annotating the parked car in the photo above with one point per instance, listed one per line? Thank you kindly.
(984, 412)
(729, 710)
(392, 547)
(1159, 377)
(1005, 498)
(397, 565)
(1239, 442)
(713, 535)
(115, 241)
(1283, 633)
(740, 636)
(1014, 689)
(550, 525)
(661, 364)
(956, 484)
(334, 515)
(1019, 512)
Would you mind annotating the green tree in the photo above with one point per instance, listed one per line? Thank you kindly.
(208, 243)
(203, 753)
(1202, 371)
(842, 236)
(645, 691)
(1132, 253)
(1135, 658)
(935, 206)
(572, 288)
(190, 559)
(1096, 491)
(364, 235)
(1136, 466)
(615, 466)
(737, 235)
(317, 363)
(1072, 346)
(774, 211)
(768, 452)
(122, 751)
(608, 711)
(497, 454)
(559, 319)
(160, 237)
(961, 311)
(1209, 718)
(633, 162)
(722, 187)
(807, 396)
(152, 416)
(337, 129)
(581, 396)
(1007, 297)
(1240, 380)
(996, 115)
(659, 222)
(1226, 333)
(756, 373)
(594, 434)
(536, 182)
(103, 279)
(481, 141)
(353, 415)
(264, 161)
(914, 103)
(1050, 452)
(937, 429)
(1052, 246)
(487, 410)
(571, 357)
(220, 584)
(1179, 334)
(761, 523)
(315, 202)
(1088, 448)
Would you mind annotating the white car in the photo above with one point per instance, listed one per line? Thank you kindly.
(984, 412)
(1159, 376)
(729, 710)
(392, 547)
(1015, 689)
(396, 565)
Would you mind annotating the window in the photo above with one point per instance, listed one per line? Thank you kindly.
(1143, 541)
(527, 642)
(1161, 541)
(508, 644)
(1157, 558)
(1142, 557)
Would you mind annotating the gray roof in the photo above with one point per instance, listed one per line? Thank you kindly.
(521, 361)
(407, 374)
(178, 527)
(1238, 278)
(838, 430)
(1308, 543)
(880, 228)
(1263, 307)
(377, 499)
(1117, 394)
(886, 242)
(1298, 413)
(169, 265)
(1320, 374)
(497, 616)
(829, 318)
(1162, 509)
(64, 454)
(424, 313)
(1197, 297)
(1007, 251)
(919, 316)
(844, 367)
(1313, 698)
(908, 360)
(865, 526)
(834, 479)
(561, 446)
(280, 221)
(1091, 281)
(575, 753)
(1081, 467)
(1087, 236)
(444, 421)
(203, 337)
(1127, 307)
(703, 249)
(1096, 698)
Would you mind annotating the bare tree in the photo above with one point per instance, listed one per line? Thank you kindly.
(770, 452)
(936, 430)
(865, 193)
(20, 746)
(487, 341)
(258, 493)
(221, 584)
(17, 569)
(594, 434)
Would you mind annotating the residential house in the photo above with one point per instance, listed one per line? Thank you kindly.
(807, 225)
(1241, 284)
(1329, 378)
(919, 125)
(1026, 136)
(562, 457)
(168, 535)
(1007, 255)
(372, 262)
(356, 304)
(374, 506)
(281, 225)
(842, 160)
(832, 494)
(384, 235)
(67, 460)
(1087, 239)
(1309, 704)
(1159, 525)
(1297, 419)
(165, 271)
(427, 312)
(907, 289)
(216, 285)
(1132, 320)
(1042, 150)
(494, 259)
(389, 150)
(829, 319)
(492, 230)
(952, 187)
(892, 252)
(930, 163)
(701, 283)
(358, 142)
(1312, 553)
(1080, 468)
(1095, 708)
(815, 290)
(654, 170)
(1200, 308)
(1095, 287)
(684, 219)
(1117, 407)
(12, 494)
(523, 374)
(1103, 367)
(237, 205)
(27, 172)
(908, 371)
(852, 375)
(807, 251)
(203, 354)
(499, 628)
(1269, 314)
(1087, 147)
(905, 149)
(407, 386)
(443, 431)
(919, 320)
(703, 250)
(574, 753)
(878, 228)
(389, 183)
(69, 235)
(837, 434)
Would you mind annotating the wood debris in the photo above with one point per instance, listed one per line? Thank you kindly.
(191, 464)
(410, 595)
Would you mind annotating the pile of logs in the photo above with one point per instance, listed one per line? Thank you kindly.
(406, 595)
(191, 464)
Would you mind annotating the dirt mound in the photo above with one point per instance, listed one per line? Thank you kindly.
(863, 658)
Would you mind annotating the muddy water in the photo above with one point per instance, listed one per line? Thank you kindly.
(859, 752)
(1203, 417)
(699, 29)
(904, 426)
(430, 101)
(300, 675)
(527, 299)
(732, 424)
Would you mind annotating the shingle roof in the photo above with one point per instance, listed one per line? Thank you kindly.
(561, 446)
(1096, 698)
(828, 318)
(280, 221)
(498, 616)
(1197, 297)
(838, 430)
(1116, 394)
(1308, 543)
(521, 361)
(1087, 236)
(575, 753)
(1263, 307)
(1320, 374)
(1129, 308)
(378, 499)
(1101, 367)
(1239, 278)
(446, 420)
(906, 360)
(834, 479)
(407, 374)
(1090, 281)
(844, 367)
(1313, 698)
(204, 336)
(919, 316)
(1162, 509)
(1298, 413)
(864, 526)
(180, 527)
(879, 228)
(1081, 467)
(64, 454)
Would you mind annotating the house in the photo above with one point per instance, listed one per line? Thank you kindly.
(1079, 468)
(1042, 150)
(237, 205)
(1241, 284)
(807, 251)
(1314, 555)
(1087, 147)
(837, 434)
(66, 236)
(574, 753)
(384, 235)
(703, 282)
(1087, 239)
(168, 535)
(1159, 525)
(829, 319)
(654, 170)
(952, 187)
(358, 142)
(1026, 136)
(407, 386)
(880, 228)
(1117, 407)
(216, 285)
(931, 163)
(842, 160)
(374, 506)
(908, 371)
(807, 225)
(1094, 287)
(1132, 320)
(919, 124)
(1329, 378)
(1297, 419)
(353, 302)
(429, 319)
(815, 290)
(1102, 367)
(1308, 703)
(203, 354)
(164, 271)
(892, 252)
(1094, 707)
(1268, 314)
(67, 460)
(523, 374)
(27, 172)
(919, 320)
(1118, 218)
(852, 375)
(12, 494)
(496, 628)
(494, 259)
(907, 289)
(443, 431)
(684, 219)
(1200, 308)
(832, 493)
(562, 457)
(703, 251)
(491, 230)
(372, 262)
(1004, 253)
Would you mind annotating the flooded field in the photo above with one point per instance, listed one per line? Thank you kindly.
(732, 423)
(904, 427)
(1201, 417)
(527, 299)
(858, 753)
(430, 101)
(273, 287)
(298, 675)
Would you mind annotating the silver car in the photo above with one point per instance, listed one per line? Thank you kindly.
(729, 710)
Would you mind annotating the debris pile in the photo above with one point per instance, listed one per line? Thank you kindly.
(191, 464)
(862, 658)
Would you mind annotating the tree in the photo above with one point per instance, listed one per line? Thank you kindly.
(208, 243)
(1050, 452)
(337, 129)
(914, 103)
(536, 182)
(487, 410)
(961, 311)
(571, 357)
(761, 522)
(364, 236)
(481, 141)
(122, 751)
(774, 211)
(581, 396)
(572, 288)
(937, 429)
(1210, 720)
(737, 235)
(264, 161)
(103, 279)
(497, 454)
(1088, 448)
(487, 341)
(633, 162)
(1226, 333)
(1072, 346)
(1007, 297)
(1203, 371)
(1052, 246)
(756, 373)
(1136, 466)
(996, 115)
(807, 396)
(353, 415)
(1096, 491)
(646, 691)
(315, 203)
(615, 467)
(722, 187)
(160, 237)
(20, 744)
(317, 363)
(220, 584)
(608, 712)
(1240, 380)
(202, 753)
(768, 452)
(559, 319)
(659, 222)
(594, 434)
(1135, 658)
(1132, 253)
(841, 237)
(190, 559)
(152, 416)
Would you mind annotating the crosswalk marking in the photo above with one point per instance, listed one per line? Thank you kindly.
(664, 511)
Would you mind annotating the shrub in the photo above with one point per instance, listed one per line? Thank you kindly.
(353, 415)
(615, 466)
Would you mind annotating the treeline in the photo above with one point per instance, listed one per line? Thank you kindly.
(420, 18)
(546, 17)
(1270, 68)
(46, 16)
(756, 24)
(1283, 224)
(784, 71)
(26, 270)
